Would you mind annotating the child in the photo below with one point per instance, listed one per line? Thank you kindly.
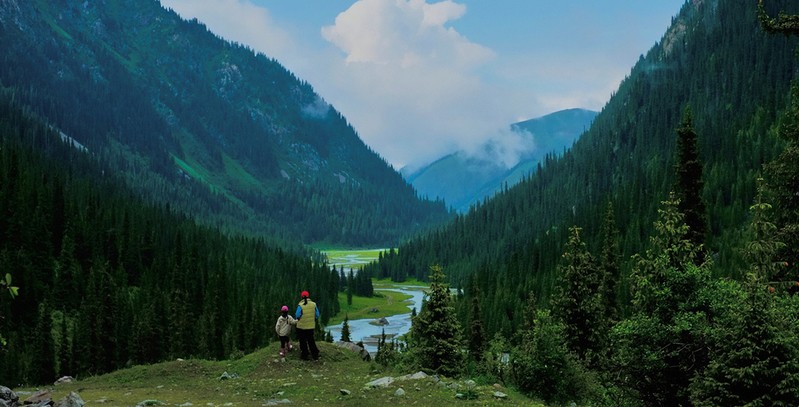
(283, 329)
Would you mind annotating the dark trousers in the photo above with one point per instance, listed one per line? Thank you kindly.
(307, 343)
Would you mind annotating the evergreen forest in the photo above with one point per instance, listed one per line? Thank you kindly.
(106, 280)
(156, 202)
(655, 262)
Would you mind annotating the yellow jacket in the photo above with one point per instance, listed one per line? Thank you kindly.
(306, 314)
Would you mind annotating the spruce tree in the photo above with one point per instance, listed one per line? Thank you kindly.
(662, 346)
(345, 329)
(783, 177)
(477, 341)
(689, 182)
(350, 287)
(437, 344)
(609, 265)
(43, 363)
(577, 302)
(754, 346)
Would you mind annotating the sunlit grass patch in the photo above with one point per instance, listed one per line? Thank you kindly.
(352, 257)
(387, 303)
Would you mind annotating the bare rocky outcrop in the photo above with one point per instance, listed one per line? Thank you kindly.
(41, 398)
(8, 398)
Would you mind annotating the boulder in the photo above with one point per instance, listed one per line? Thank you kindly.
(381, 382)
(72, 400)
(416, 376)
(344, 392)
(500, 395)
(9, 397)
(400, 392)
(39, 397)
(227, 376)
(382, 321)
(65, 379)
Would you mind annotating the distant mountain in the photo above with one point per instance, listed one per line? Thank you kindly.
(211, 128)
(462, 179)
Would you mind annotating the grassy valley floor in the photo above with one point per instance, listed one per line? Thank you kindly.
(261, 379)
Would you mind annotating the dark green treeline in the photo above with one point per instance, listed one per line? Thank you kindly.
(105, 281)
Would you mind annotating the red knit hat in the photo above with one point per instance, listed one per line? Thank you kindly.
(285, 308)
(304, 294)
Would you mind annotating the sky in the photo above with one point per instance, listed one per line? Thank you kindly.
(419, 79)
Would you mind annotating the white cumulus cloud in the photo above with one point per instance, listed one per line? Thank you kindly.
(412, 86)
(410, 83)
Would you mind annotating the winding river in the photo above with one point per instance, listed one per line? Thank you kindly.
(366, 331)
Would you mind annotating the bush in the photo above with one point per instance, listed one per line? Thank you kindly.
(544, 367)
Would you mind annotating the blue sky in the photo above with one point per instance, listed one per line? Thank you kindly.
(422, 78)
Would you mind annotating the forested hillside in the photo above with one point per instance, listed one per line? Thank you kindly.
(106, 281)
(212, 128)
(714, 58)
(656, 262)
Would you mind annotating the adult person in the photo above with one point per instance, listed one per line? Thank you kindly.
(307, 314)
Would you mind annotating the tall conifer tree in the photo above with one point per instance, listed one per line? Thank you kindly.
(577, 301)
(345, 329)
(476, 333)
(661, 347)
(609, 264)
(689, 181)
(436, 329)
(754, 347)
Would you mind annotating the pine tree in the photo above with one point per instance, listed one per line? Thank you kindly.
(436, 329)
(386, 351)
(689, 182)
(609, 264)
(477, 341)
(43, 364)
(662, 346)
(350, 287)
(345, 329)
(577, 302)
(783, 177)
(64, 348)
(754, 346)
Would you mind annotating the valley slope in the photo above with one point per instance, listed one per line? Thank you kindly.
(715, 59)
(211, 128)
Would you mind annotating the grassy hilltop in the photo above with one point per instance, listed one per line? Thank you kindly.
(263, 378)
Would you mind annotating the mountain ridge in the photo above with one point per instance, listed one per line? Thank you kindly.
(462, 179)
(211, 127)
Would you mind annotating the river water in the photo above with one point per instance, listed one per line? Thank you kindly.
(366, 331)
